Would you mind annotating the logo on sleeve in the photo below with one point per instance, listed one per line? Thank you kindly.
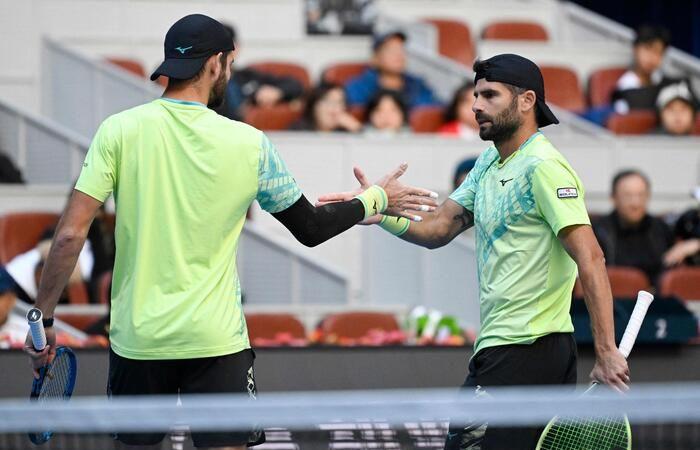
(567, 192)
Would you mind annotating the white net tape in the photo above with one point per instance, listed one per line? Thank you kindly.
(679, 403)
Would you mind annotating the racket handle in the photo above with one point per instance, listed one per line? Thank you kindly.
(644, 299)
(36, 326)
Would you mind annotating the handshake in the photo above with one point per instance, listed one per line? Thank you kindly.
(402, 200)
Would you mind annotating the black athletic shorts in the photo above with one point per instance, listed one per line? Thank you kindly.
(551, 359)
(226, 374)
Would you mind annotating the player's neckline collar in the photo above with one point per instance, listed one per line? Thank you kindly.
(522, 146)
(182, 102)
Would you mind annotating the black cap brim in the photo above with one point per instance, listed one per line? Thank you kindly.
(179, 68)
(546, 116)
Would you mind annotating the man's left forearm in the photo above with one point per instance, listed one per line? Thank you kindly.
(57, 270)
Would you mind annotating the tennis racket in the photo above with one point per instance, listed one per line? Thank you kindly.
(56, 379)
(603, 433)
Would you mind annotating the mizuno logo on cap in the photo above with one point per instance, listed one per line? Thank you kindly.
(182, 50)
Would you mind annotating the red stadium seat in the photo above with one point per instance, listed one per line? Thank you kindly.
(358, 112)
(626, 282)
(130, 65)
(426, 119)
(601, 85)
(682, 282)
(562, 88)
(20, 232)
(268, 327)
(274, 118)
(520, 31)
(635, 122)
(454, 40)
(355, 325)
(79, 321)
(341, 73)
(284, 69)
(77, 293)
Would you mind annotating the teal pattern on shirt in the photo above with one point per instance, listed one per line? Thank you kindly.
(277, 189)
(500, 212)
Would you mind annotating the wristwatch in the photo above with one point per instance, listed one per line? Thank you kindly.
(47, 322)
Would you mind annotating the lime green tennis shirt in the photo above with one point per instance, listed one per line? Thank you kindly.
(525, 275)
(183, 178)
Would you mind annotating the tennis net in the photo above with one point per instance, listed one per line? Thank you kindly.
(662, 417)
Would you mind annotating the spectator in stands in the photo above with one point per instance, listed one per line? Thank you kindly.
(9, 173)
(687, 232)
(388, 71)
(459, 119)
(461, 172)
(386, 113)
(254, 88)
(638, 87)
(629, 236)
(13, 328)
(327, 110)
(676, 106)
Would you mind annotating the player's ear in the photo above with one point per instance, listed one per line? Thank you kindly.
(213, 65)
(528, 100)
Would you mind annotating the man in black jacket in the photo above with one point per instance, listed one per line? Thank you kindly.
(629, 236)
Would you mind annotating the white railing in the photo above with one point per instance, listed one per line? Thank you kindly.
(398, 273)
(46, 152)
(80, 93)
(273, 271)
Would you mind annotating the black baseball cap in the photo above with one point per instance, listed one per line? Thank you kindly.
(520, 72)
(189, 43)
(380, 39)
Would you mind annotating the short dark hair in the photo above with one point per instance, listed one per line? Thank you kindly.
(451, 111)
(628, 173)
(647, 34)
(395, 96)
(177, 84)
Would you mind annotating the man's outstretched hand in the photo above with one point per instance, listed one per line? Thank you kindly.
(403, 199)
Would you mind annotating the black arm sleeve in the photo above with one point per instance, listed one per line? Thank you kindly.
(312, 226)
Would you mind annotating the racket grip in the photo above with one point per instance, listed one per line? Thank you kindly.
(36, 327)
(644, 299)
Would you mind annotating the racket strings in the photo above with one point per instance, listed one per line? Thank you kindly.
(608, 433)
(56, 379)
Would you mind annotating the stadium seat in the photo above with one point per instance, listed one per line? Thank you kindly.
(635, 122)
(341, 73)
(516, 31)
(358, 112)
(682, 282)
(284, 69)
(601, 85)
(626, 282)
(355, 325)
(130, 65)
(426, 119)
(77, 293)
(562, 88)
(20, 232)
(272, 326)
(454, 40)
(79, 321)
(274, 118)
